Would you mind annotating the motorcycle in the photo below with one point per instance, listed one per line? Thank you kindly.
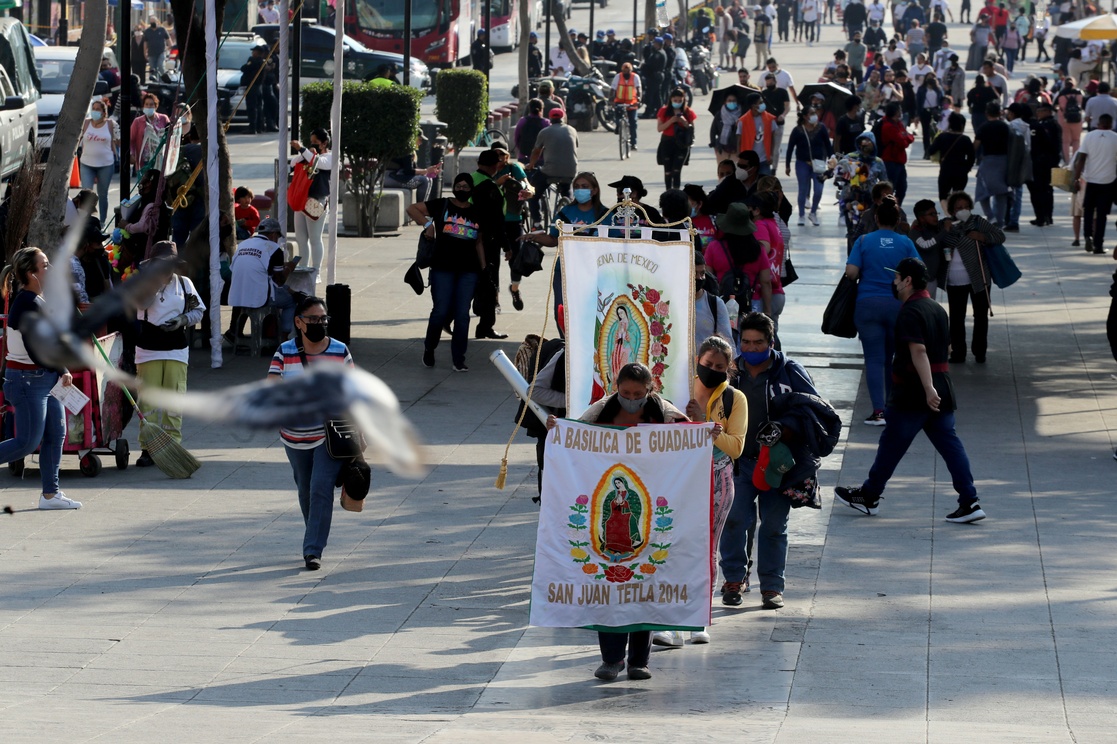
(701, 67)
(587, 102)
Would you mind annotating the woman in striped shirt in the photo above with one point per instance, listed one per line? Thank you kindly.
(315, 471)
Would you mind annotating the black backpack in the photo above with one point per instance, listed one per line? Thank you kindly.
(1072, 112)
(737, 284)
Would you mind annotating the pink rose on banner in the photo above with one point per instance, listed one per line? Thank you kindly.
(661, 502)
(656, 328)
(582, 500)
(653, 296)
(657, 349)
(661, 309)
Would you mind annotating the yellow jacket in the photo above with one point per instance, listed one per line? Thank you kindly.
(731, 441)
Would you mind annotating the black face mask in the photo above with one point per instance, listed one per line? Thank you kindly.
(699, 283)
(315, 333)
(463, 194)
(710, 377)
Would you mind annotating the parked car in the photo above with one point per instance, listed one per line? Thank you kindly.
(19, 91)
(235, 51)
(55, 66)
(361, 62)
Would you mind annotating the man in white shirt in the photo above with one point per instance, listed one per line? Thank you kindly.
(258, 277)
(1102, 103)
(809, 9)
(876, 12)
(268, 12)
(1094, 165)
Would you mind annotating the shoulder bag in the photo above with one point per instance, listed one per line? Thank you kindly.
(343, 440)
(837, 319)
(818, 165)
(298, 191)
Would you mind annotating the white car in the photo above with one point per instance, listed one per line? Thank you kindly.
(55, 66)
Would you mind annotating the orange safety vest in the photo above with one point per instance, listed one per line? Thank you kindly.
(626, 90)
(748, 132)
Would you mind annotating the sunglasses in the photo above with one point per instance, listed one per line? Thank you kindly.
(315, 319)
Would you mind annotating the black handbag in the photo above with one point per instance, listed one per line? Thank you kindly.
(790, 274)
(424, 255)
(528, 259)
(837, 319)
(343, 440)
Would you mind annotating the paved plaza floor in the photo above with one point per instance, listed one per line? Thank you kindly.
(180, 611)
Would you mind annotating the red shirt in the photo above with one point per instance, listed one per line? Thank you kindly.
(895, 140)
(667, 112)
(1000, 17)
(250, 215)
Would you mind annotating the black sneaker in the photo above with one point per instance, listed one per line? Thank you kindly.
(428, 358)
(970, 512)
(731, 594)
(313, 562)
(461, 367)
(609, 672)
(517, 300)
(853, 498)
(144, 460)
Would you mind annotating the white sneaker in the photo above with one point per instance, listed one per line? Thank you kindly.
(699, 636)
(671, 638)
(802, 220)
(58, 501)
(813, 217)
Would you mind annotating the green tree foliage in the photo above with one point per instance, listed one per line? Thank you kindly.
(377, 125)
(462, 101)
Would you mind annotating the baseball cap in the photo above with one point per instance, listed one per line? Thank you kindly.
(630, 182)
(780, 462)
(669, 36)
(600, 34)
(658, 39)
(611, 32)
(555, 113)
(912, 267)
(269, 225)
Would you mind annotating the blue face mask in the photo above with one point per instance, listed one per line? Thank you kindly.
(694, 211)
(583, 196)
(756, 358)
(731, 105)
(95, 115)
(763, 108)
(676, 104)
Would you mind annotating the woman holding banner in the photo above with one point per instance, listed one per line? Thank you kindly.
(715, 401)
(633, 403)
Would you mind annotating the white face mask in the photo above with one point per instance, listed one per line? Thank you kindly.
(962, 215)
(743, 173)
(812, 120)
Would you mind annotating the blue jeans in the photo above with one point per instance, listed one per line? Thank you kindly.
(102, 175)
(630, 114)
(315, 474)
(805, 173)
(1015, 204)
(898, 435)
(996, 208)
(875, 318)
(284, 301)
(771, 536)
(451, 293)
(1010, 58)
(898, 175)
(39, 418)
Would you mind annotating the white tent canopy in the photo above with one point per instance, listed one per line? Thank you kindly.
(1089, 29)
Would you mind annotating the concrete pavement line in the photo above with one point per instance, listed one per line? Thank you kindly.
(1054, 267)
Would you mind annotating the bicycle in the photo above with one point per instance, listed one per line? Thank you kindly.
(488, 137)
(620, 119)
(552, 200)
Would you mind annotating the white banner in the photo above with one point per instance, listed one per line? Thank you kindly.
(627, 301)
(624, 529)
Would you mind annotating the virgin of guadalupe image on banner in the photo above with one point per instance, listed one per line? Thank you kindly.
(627, 300)
(624, 529)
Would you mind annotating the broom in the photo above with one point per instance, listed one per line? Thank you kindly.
(169, 456)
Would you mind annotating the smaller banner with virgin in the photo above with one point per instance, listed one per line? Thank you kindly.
(624, 528)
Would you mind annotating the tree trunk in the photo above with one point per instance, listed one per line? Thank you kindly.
(191, 35)
(525, 45)
(681, 23)
(568, 46)
(46, 227)
(649, 16)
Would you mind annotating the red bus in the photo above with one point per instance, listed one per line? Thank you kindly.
(505, 15)
(441, 30)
